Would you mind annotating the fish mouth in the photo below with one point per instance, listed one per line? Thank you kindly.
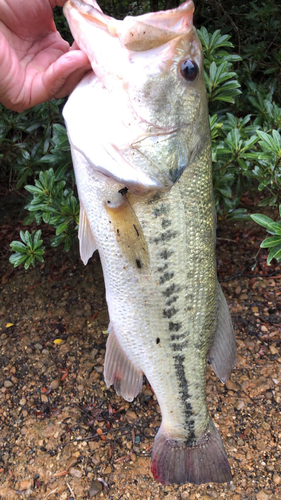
(138, 33)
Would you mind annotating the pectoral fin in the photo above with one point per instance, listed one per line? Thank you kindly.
(128, 231)
(87, 243)
(222, 355)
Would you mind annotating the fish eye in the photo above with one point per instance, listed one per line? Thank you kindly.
(189, 70)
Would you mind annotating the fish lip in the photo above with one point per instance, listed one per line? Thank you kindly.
(93, 13)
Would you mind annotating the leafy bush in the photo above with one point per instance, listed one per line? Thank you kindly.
(245, 118)
(274, 242)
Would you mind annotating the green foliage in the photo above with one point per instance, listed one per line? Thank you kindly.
(25, 138)
(243, 154)
(56, 205)
(29, 250)
(274, 242)
(242, 49)
(221, 81)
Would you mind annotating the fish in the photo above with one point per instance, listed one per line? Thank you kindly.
(139, 132)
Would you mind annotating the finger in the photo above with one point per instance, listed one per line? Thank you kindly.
(63, 75)
(59, 3)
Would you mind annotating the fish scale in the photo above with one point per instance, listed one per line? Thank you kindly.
(146, 203)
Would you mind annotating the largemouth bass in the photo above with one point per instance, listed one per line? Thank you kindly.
(139, 133)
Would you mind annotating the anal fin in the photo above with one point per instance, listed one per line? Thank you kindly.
(222, 355)
(120, 371)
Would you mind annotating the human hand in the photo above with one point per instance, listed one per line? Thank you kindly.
(36, 64)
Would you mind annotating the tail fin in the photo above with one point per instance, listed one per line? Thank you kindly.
(174, 462)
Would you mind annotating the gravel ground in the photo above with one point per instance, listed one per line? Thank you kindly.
(65, 436)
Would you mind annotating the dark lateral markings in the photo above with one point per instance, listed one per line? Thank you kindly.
(171, 300)
(165, 223)
(174, 327)
(177, 347)
(163, 268)
(179, 360)
(166, 254)
(171, 290)
(169, 235)
(162, 210)
(166, 277)
(179, 336)
(168, 313)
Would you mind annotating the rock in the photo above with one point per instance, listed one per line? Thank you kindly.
(99, 368)
(24, 485)
(54, 384)
(95, 488)
(261, 445)
(75, 472)
(276, 479)
(93, 355)
(243, 297)
(232, 386)
(261, 495)
(239, 404)
(107, 470)
(8, 384)
(273, 350)
(130, 416)
(96, 458)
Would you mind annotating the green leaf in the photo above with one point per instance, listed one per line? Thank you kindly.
(263, 220)
(273, 241)
(275, 253)
(18, 246)
(62, 227)
(17, 258)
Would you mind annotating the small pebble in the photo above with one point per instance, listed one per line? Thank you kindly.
(276, 479)
(24, 485)
(261, 495)
(239, 404)
(54, 384)
(232, 386)
(75, 472)
(8, 384)
(99, 368)
(130, 416)
(95, 488)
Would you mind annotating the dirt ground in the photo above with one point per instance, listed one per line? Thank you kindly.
(64, 435)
